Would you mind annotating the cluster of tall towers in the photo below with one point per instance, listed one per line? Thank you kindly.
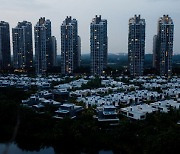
(46, 46)
(162, 46)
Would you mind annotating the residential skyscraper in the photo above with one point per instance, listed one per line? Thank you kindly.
(54, 50)
(164, 47)
(49, 52)
(5, 52)
(70, 60)
(79, 50)
(155, 56)
(98, 45)
(136, 45)
(43, 53)
(22, 46)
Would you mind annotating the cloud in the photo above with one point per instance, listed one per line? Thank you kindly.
(22, 4)
(117, 12)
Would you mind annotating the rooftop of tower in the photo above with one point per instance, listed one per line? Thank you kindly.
(166, 20)
(2, 23)
(23, 23)
(68, 21)
(136, 20)
(43, 21)
(98, 20)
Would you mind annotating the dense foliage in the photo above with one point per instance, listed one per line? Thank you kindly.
(159, 133)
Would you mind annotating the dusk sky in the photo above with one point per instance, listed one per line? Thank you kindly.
(117, 13)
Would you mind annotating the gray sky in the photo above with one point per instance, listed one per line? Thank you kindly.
(117, 12)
